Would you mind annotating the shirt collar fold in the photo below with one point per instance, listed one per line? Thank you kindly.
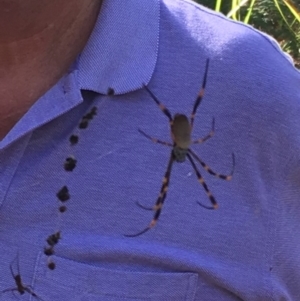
(120, 54)
(122, 50)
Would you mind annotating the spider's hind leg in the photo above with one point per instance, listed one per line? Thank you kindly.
(202, 182)
(210, 171)
(160, 200)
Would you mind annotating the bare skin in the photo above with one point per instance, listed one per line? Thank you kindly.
(39, 40)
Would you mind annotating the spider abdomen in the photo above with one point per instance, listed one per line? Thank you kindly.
(181, 131)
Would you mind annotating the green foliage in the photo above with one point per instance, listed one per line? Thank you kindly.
(270, 16)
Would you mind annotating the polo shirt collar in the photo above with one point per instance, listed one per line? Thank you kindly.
(120, 54)
(122, 50)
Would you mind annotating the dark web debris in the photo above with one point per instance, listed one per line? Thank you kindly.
(83, 123)
(63, 194)
(70, 163)
(73, 139)
(62, 209)
(51, 265)
(52, 240)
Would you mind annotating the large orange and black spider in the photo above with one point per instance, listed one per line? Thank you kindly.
(181, 129)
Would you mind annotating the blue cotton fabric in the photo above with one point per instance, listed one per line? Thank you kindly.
(248, 249)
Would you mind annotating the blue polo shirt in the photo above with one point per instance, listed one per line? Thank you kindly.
(247, 249)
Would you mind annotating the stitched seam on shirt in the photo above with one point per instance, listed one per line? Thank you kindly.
(190, 288)
(16, 168)
(270, 244)
(272, 250)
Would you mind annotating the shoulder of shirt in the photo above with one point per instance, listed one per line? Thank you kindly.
(234, 31)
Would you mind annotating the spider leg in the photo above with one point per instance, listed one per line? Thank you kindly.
(209, 170)
(18, 266)
(200, 94)
(202, 182)
(17, 277)
(160, 200)
(11, 289)
(31, 292)
(143, 207)
(139, 233)
(163, 191)
(161, 106)
(155, 140)
(156, 215)
(11, 271)
(29, 287)
(211, 133)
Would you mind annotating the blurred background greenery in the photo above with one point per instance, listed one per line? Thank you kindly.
(278, 18)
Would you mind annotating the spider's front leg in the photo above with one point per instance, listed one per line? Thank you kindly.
(200, 94)
(155, 140)
(202, 182)
(209, 135)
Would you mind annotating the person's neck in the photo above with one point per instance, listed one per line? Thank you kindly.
(38, 43)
